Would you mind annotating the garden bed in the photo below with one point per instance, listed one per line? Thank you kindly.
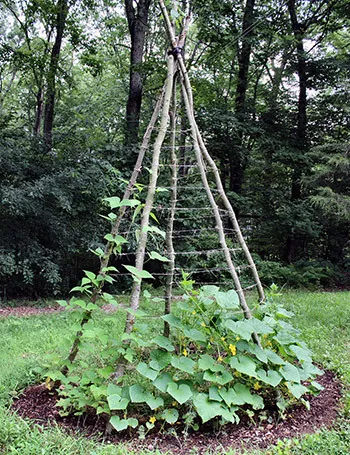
(39, 404)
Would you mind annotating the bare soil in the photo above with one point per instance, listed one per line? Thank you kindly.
(39, 404)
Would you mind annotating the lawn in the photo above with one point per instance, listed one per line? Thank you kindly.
(29, 345)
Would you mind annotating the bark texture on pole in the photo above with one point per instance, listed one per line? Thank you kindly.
(170, 227)
(141, 248)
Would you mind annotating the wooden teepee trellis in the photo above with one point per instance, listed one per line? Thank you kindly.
(166, 108)
(176, 66)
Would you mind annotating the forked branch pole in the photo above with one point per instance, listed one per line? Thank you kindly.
(170, 227)
(114, 231)
(141, 248)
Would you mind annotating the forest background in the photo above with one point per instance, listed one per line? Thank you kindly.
(78, 84)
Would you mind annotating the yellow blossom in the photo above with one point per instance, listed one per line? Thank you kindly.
(203, 324)
(152, 419)
(233, 349)
(174, 403)
(48, 383)
(257, 386)
(237, 338)
(220, 359)
(185, 353)
(194, 312)
(223, 338)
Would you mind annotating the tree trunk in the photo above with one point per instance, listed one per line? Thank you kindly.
(62, 12)
(244, 56)
(38, 112)
(137, 17)
(238, 161)
(300, 140)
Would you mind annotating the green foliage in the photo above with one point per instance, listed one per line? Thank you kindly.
(303, 274)
(210, 367)
(47, 228)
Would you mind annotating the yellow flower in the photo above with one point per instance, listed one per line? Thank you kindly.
(49, 383)
(223, 338)
(203, 324)
(257, 386)
(237, 338)
(174, 403)
(194, 312)
(152, 419)
(185, 353)
(233, 349)
(220, 359)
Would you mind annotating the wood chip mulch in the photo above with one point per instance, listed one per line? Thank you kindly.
(23, 311)
(38, 404)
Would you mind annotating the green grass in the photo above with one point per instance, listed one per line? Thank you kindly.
(30, 344)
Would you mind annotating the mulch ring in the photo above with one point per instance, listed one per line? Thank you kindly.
(38, 404)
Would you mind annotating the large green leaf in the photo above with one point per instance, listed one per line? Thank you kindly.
(163, 342)
(298, 390)
(214, 393)
(218, 377)
(272, 377)
(208, 409)
(163, 381)
(170, 415)
(290, 372)
(184, 364)
(116, 402)
(137, 274)
(302, 354)
(260, 327)
(181, 392)
(155, 402)
(115, 202)
(159, 359)
(244, 394)
(173, 321)
(195, 335)
(259, 353)
(122, 424)
(138, 394)
(114, 389)
(242, 329)
(274, 358)
(285, 338)
(206, 362)
(146, 371)
(228, 300)
(244, 364)
(229, 396)
(158, 257)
